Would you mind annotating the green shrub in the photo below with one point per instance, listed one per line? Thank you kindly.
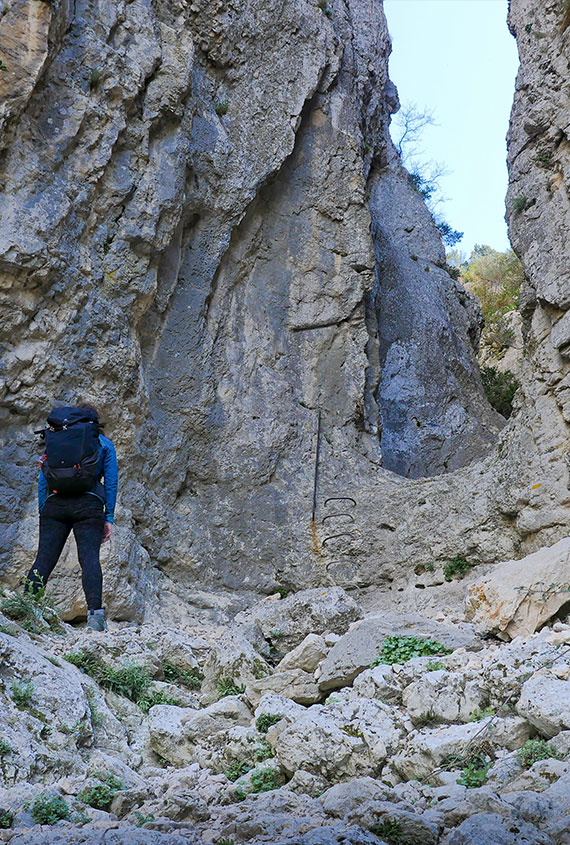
(49, 809)
(456, 566)
(534, 750)
(264, 780)
(6, 818)
(264, 751)
(435, 666)
(235, 770)
(3, 66)
(101, 795)
(22, 694)
(227, 686)
(142, 819)
(153, 696)
(400, 648)
(500, 389)
(222, 107)
(265, 721)
(476, 715)
(174, 675)
(5, 748)
(34, 612)
(474, 774)
(520, 202)
(390, 830)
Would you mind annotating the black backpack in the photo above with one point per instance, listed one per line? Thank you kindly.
(72, 451)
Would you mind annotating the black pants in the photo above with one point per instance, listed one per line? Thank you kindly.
(84, 514)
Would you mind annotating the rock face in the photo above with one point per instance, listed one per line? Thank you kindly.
(186, 241)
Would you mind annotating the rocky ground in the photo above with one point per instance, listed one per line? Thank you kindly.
(277, 729)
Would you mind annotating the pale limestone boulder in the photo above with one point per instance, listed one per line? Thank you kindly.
(412, 826)
(492, 829)
(343, 798)
(278, 705)
(519, 596)
(545, 703)
(443, 696)
(307, 783)
(286, 622)
(307, 655)
(270, 816)
(345, 740)
(234, 658)
(291, 683)
(357, 649)
(425, 751)
(166, 734)
(540, 776)
(380, 682)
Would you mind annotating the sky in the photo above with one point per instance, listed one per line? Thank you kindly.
(458, 58)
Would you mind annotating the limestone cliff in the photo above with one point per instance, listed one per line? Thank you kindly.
(207, 231)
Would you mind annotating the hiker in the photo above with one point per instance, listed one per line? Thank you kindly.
(71, 495)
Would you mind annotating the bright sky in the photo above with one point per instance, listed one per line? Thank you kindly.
(458, 58)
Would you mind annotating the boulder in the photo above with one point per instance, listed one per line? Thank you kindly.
(233, 658)
(286, 622)
(442, 696)
(290, 683)
(380, 682)
(356, 650)
(343, 798)
(492, 829)
(519, 596)
(545, 702)
(307, 655)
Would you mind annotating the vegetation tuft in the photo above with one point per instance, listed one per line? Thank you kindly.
(22, 694)
(6, 818)
(236, 769)
(33, 612)
(101, 795)
(49, 809)
(435, 666)
(520, 202)
(228, 686)
(264, 780)
(221, 107)
(182, 677)
(534, 750)
(5, 748)
(456, 566)
(476, 715)
(400, 648)
(475, 772)
(266, 720)
(500, 389)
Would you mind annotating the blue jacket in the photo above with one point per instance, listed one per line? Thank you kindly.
(107, 469)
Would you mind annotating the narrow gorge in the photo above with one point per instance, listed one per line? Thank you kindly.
(207, 232)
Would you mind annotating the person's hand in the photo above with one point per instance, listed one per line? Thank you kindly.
(107, 531)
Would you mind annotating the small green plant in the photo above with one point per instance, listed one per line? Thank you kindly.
(474, 774)
(400, 648)
(101, 795)
(225, 842)
(456, 566)
(353, 730)
(151, 697)
(5, 748)
(534, 750)
(430, 567)
(142, 819)
(435, 666)
(49, 809)
(130, 680)
(227, 686)
(22, 694)
(94, 78)
(235, 770)
(264, 780)
(264, 751)
(476, 715)
(528, 28)
(500, 389)
(283, 592)
(6, 818)
(175, 675)
(544, 158)
(33, 611)
(266, 720)
(222, 107)
(9, 630)
(390, 830)
(53, 660)
(96, 717)
(2, 65)
(520, 203)
(324, 7)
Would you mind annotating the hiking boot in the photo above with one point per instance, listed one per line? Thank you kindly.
(96, 620)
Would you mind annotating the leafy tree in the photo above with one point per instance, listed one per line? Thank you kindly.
(495, 278)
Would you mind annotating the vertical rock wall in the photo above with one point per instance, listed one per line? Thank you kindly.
(206, 231)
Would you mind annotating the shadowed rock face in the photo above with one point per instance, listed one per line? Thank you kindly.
(207, 232)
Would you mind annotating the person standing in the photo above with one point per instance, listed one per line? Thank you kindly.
(77, 491)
